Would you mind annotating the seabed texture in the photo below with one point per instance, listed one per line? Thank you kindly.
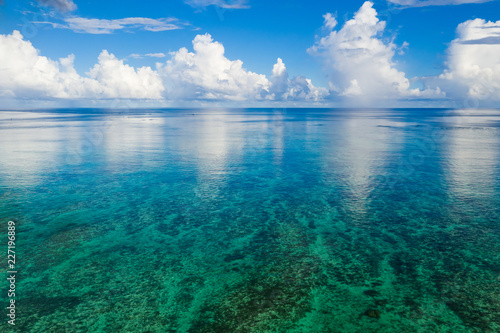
(260, 220)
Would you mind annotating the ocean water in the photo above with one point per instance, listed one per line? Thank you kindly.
(252, 220)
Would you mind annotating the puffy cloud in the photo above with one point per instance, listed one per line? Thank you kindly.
(102, 26)
(299, 88)
(207, 74)
(61, 5)
(279, 79)
(353, 89)
(228, 4)
(424, 3)
(119, 80)
(25, 74)
(473, 62)
(362, 62)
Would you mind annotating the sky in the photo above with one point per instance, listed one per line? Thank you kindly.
(249, 53)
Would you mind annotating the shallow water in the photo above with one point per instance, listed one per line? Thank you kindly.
(253, 220)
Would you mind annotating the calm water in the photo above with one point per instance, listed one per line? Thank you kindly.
(297, 220)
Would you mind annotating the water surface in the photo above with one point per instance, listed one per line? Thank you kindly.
(254, 220)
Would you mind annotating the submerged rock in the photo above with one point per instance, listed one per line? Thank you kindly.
(371, 292)
(373, 313)
(381, 302)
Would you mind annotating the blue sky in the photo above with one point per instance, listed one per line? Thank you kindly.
(416, 42)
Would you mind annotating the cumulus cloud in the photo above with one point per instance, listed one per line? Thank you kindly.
(228, 4)
(60, 5)
(362, 61)
(206, 73)
(25, 74)
(119, 80)
(473, 64)
(299, 88)
(424, 3)
(103, 26)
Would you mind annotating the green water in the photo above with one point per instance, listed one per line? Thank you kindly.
(263, 220)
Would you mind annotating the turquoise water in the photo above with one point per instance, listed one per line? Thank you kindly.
(253, 220)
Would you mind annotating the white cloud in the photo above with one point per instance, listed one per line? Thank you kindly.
(473, 61)
(330, 21)
(151, 55)
(25, 74)
(118, 80)
(353, 89)
(228, 4)
(362, 61)
(61, 5)
(401, 50)
(103, 26)
(424, 3)
(156, 55)
(299, 88)
(279, 80)
(207, 74)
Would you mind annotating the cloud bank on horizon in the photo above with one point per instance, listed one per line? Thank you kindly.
(356, 56)
(205, 74)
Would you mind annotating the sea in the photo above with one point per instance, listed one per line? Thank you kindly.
(250, 220)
